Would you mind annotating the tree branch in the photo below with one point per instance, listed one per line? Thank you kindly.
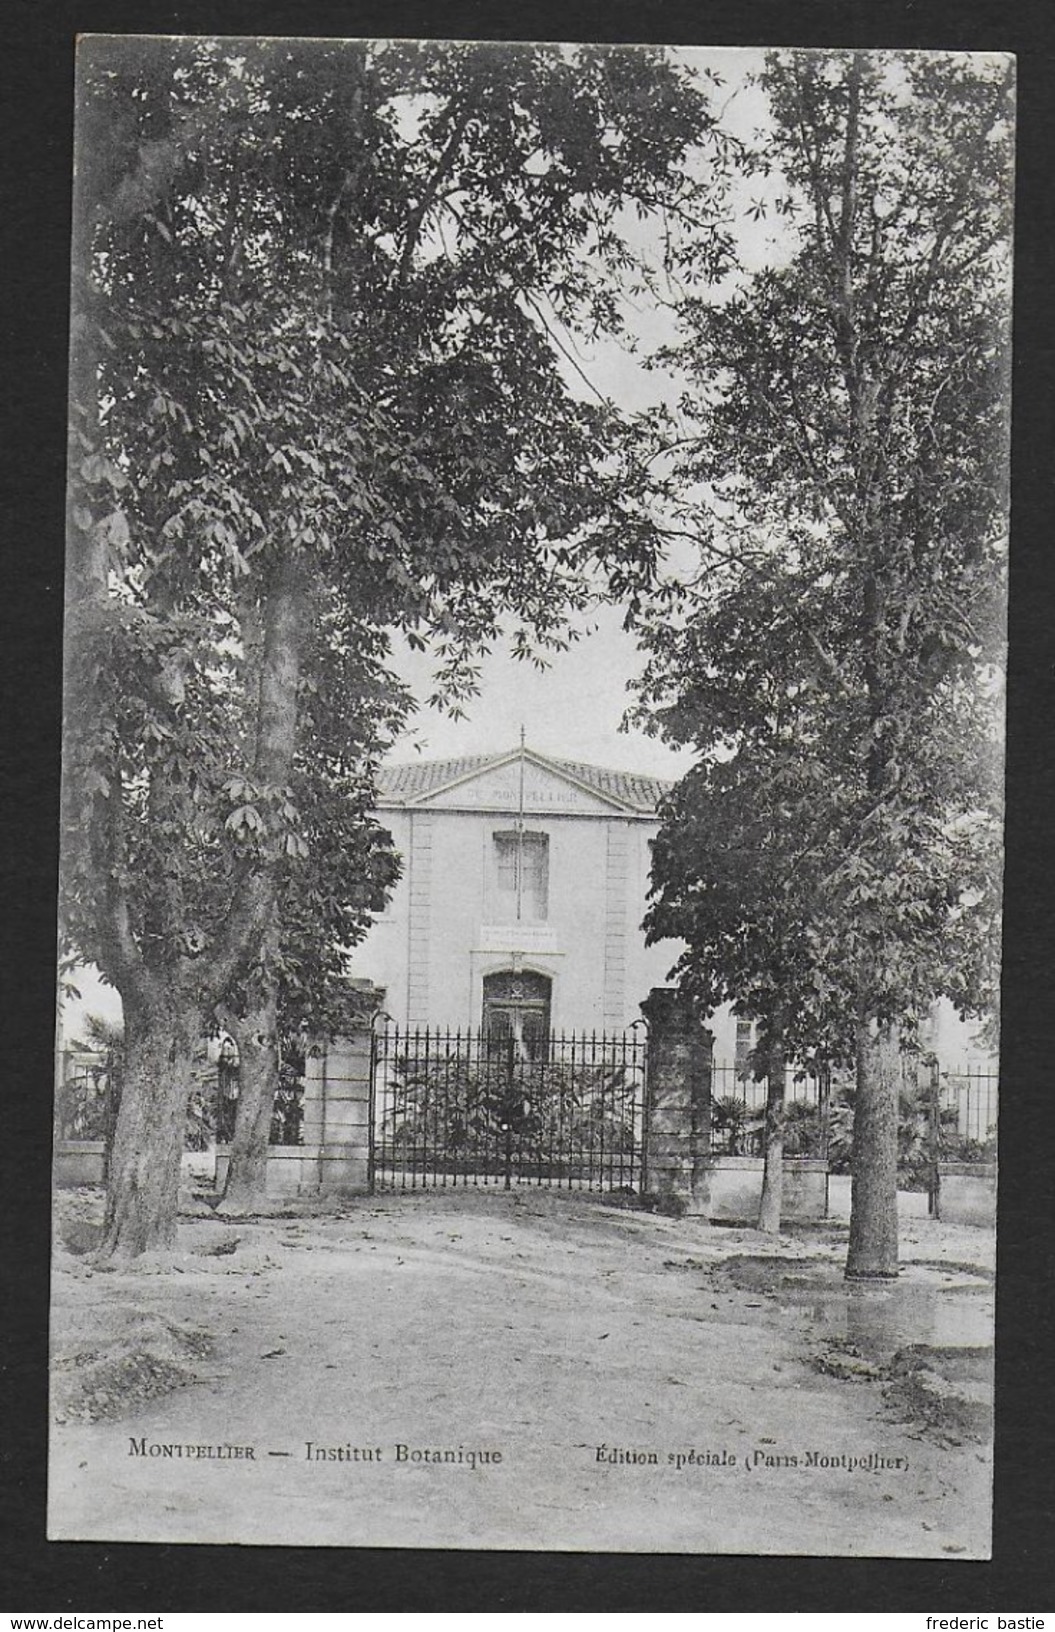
(439, 175)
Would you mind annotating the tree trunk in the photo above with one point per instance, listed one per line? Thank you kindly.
(142, 1198)
(257, 1037)
(280, 639)
(772, 1202)
(873, 1206)
(287, 619)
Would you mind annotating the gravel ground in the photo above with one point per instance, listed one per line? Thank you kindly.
(529, 1370)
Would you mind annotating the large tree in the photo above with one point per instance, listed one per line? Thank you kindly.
(845, 435)
(749, 833)
(320, 296)
(296, 985)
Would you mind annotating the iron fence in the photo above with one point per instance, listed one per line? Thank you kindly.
(468, 1108)
(946, 1113)
(967, 1100)
(738, 1111)
(463, 1108)
(88, 1088)
(84, 1096)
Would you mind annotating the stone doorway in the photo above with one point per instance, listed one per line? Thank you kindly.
(516, 1013)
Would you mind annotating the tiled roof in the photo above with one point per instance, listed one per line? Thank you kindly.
(399, 784)
(640, 792)
(426, 775)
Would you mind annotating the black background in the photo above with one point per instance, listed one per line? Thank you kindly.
(35, 1576)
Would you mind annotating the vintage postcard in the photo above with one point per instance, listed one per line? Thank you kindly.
(532, 834)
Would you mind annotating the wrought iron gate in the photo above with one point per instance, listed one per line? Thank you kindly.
(476, 1108)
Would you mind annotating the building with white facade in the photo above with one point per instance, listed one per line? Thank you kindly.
(524, 886)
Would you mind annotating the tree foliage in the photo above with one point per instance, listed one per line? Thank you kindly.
(320, 294)
(840, 464)
(850, 448)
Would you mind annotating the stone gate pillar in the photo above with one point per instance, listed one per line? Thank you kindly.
(678, 1136)
(336, 1123)
(335, 1128)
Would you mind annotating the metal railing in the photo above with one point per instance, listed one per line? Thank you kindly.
(84, 1097)
(738, 1111)
(88, 1087)
(967, 1100)
(466, 1108)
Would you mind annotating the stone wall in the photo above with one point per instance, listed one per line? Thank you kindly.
(735, 1184)
(967, 1193)
(78, 1161)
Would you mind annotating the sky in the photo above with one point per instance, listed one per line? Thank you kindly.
(571, 711)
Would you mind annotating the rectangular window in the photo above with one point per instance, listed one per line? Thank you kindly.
(521, 877)
(745, 1043)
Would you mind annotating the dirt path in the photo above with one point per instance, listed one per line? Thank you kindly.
(587, 1347)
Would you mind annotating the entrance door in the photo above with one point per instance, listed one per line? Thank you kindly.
(517, 1007)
